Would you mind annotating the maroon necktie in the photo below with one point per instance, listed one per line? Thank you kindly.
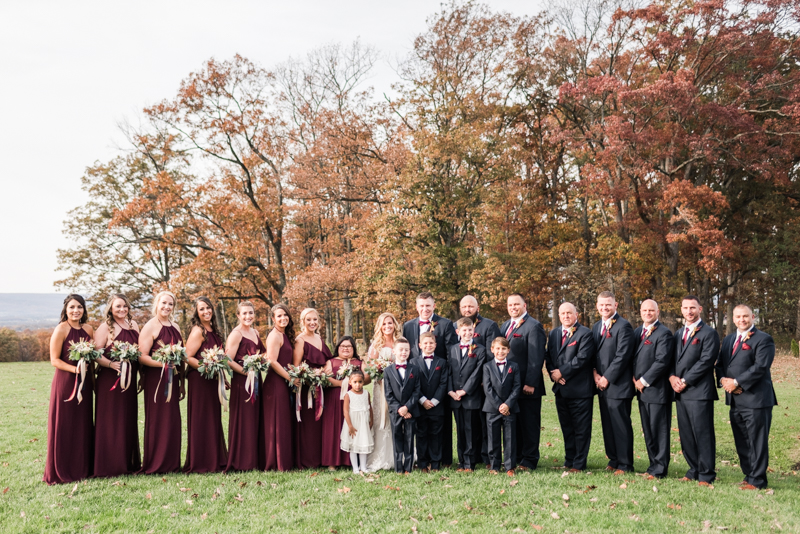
(644, 331)
(736, 345)
(510, 328)
(564, 337)
(603, 333)
(685, 334)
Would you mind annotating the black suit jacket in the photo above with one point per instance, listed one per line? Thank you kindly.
(504, 389)
(445, 335)
(402, 392)
(750, 366)
(485, 332)
(614, 357)
(694, 362)
(652, 361)
(466, 373)
(575, 360)
(528, 344)
(432, 383)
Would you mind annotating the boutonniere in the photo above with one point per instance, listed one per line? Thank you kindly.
(649, 330)
(571, 330)
(608, 330)
(573, 343)
(520, 323)
(433, 325)
(747, 336)
(517, 335)
(470, 353)
(694, 331)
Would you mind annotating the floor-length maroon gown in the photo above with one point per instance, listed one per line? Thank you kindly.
(116, 438)
(332, 421)
(162, 419)
(308, 438)
(277, 418)
(245, 417)
(205, 448)
(70, 429)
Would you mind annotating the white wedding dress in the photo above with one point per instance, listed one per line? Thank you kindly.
(382, 456)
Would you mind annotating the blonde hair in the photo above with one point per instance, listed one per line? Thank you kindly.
(157, 298)
(303, 315)
(377, 338)
(245, 304)
(109, 314)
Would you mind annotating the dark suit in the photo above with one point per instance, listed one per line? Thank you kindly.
(502, 388)
(401, 393)
(485, 332)
(466, 372)
(528, 346)
(574, 400)
(751, 410)
(433, 387)
(614, 361)
(445, 338)
(652, 363)
(694, 362)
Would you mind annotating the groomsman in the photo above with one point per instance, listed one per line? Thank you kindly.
(652, 364)
(527, 341)
(445, 334)
(485, 332)
(692, 380)
(613, 369)
(743, 370)
(570, 360)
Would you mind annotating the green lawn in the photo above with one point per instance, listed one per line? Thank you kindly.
(447, 501)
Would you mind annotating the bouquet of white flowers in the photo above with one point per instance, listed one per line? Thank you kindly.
(214, 363)
(83, 352)
(253, 365)
(170, 356)
(125, 353)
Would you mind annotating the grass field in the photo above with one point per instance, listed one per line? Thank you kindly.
(306, 501)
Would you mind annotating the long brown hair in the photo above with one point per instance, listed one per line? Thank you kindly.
(289, 330)
(109, 314)
(196, 317)
(80, 300)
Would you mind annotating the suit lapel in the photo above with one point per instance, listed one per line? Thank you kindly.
(739, 348)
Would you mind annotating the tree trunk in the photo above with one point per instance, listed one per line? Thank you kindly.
(731, 303)
(348, 314)
(328, 325)
(338, 331)
(364, 334)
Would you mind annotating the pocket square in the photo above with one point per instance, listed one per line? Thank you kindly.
(745, 346)
(648, 342)
(510, 370)
(476, 335)
(696, 341)
(517, 335)
(411, 375)
(573, 343)
(438, 368)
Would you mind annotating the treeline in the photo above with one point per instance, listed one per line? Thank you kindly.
(25, 346)
(653, 152)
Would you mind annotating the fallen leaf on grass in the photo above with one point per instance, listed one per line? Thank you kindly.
(536, 527)
(242, 484)
(337, 479)
(467, 506)
(274, 486)
(74, 489)
(634, 517)
(513, 483)
(391, 488)
(612, 505)
(189, 502)
(502, 491)
(517, 530)
(447, 486)
(623, 486)
(344, 489)
(5, 464)
(454, 522)
(555, 515)
(430, 517)
(722, 528)
(33, 440)
(148, 496)
(674, 506)
(203, 517)
(5, 490)
(304, 503)
(195, 495)
(22, 515)
(313, 474)
(655, 489)
(414, 519)
(593, 499)
(239, 497)
(565, 497)
(770, 491)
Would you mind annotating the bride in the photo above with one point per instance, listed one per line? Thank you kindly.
(387, 330)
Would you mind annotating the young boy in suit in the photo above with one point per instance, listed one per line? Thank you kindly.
(433, 388)
(502, 384)
(465, 363)
(401, 386)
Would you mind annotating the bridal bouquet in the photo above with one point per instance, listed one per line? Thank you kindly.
(215, 363)
(253, 365)
(125, 353)
(374, 368)
(83, 352)
(169, 356)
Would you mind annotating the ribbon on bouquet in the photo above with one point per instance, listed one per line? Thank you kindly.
(78, 388)
(382, 407)
(123, 376)
(298, 402)
(168, 392)
(223, 397)
(344, 388)
(320, 403)
(310, 398)
(251, 385)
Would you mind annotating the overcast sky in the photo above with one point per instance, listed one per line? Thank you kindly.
(70, 72)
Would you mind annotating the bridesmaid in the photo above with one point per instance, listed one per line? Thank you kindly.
(310, 348)
(243, 427)
(333, 416)
(277, 413)
(205, 451)
(162, 420)
(70, 431)
(116, 438)
(387, 330)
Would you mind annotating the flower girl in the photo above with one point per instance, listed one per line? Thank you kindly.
(356, 437)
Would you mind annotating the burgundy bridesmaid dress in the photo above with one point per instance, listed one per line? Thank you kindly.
(277, 418)
(245, 418)
(70, 429)
(162, 419)
(332, 421)
(205, 450)
(116, 437)
(308, 438)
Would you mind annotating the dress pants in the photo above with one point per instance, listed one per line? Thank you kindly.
(446, 444)
(507, 425)
(575, 419)
(655, 425)
(751, 434)
(698, 440)
(529, 428)
(403, 440)
(429, 441)
(615, 417)
(464, 437)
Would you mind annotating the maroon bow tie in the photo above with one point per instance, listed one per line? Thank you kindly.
(464, 346)
(499, 364)
(427, 357)
(400, 365)
(424, 322)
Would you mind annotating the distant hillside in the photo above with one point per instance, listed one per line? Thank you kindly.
(30, 310)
